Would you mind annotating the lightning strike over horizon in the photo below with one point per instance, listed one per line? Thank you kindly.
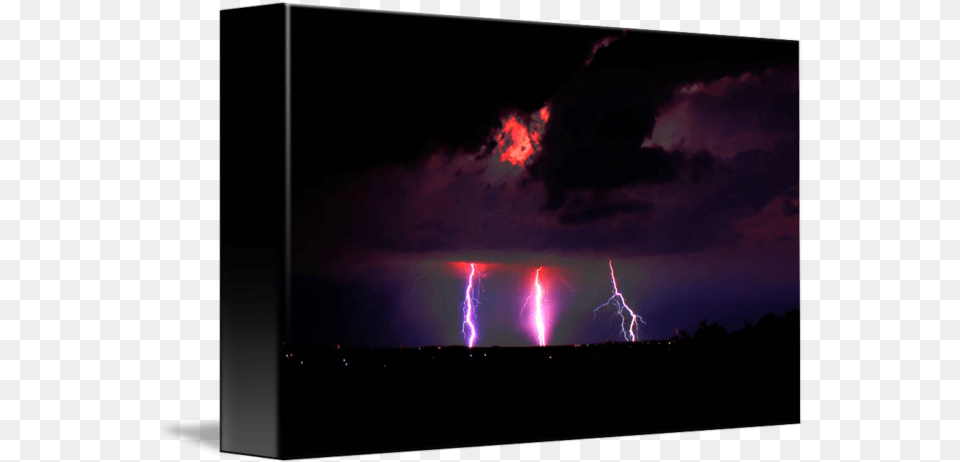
(538, 313)
(621, 304)
(468, 310)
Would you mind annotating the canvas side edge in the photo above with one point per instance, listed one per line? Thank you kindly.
(253, 227)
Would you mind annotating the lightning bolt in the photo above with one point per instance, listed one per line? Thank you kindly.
(468, 301)
(538, 312)
(617, 300)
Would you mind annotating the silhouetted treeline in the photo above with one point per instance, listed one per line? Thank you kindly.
(770, 328)
(767, 339)
(713, 378)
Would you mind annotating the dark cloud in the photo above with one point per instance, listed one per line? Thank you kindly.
(732, 114)
(434, 211)
(406, 170)
(578, 213)
(435, 85)
(686, 215)
(701, 163)
(610, 164)
(756, 177)
(601, 118)
(791, 206)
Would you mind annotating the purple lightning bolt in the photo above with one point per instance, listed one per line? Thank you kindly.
(538, 314)
(621, 304)
(468, 314)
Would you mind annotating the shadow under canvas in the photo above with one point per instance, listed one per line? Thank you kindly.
(207, 433)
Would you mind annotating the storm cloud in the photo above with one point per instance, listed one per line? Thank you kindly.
(416, 172)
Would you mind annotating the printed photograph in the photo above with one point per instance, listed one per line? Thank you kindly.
(568, 231)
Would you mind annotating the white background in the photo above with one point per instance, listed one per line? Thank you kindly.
(109, 207)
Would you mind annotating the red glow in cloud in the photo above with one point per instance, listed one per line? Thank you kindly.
(463, 268)
(520, 148)
(517, 142)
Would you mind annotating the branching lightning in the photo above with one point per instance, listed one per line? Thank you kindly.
(629, 333)
(469, 300)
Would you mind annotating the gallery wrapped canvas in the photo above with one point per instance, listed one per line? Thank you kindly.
(446, 232)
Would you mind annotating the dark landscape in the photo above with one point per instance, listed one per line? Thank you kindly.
(385, 400)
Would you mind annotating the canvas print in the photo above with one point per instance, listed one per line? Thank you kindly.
(502, 231)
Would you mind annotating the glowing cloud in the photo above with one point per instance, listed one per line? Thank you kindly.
(520, 147)
(517, 141)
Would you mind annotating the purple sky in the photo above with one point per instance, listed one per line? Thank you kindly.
(684, 172)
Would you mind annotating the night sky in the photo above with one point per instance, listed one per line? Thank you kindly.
(423, 144)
